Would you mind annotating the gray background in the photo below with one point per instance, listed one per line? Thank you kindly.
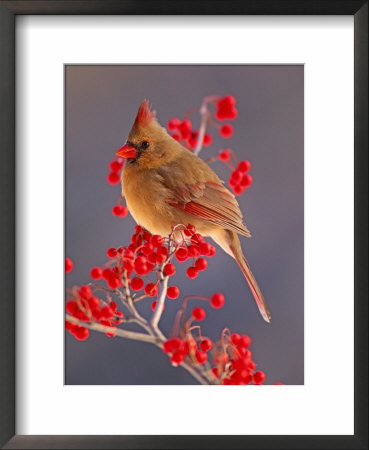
(101, 103)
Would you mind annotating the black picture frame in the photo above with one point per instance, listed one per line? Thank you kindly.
(8, 12)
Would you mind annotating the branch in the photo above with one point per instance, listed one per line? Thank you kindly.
(204, 118)
(160, 303)
(117, 331)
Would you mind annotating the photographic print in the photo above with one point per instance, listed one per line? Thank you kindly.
(184, 224)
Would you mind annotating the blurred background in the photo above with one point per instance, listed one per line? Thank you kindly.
(101, 104)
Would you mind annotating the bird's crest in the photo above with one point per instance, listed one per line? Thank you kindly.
(144, 115)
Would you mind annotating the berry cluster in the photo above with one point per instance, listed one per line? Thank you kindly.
(240, 179)
(226, 108)
(189, 348)
(234, 364)
(86, 307)
(115, 167)
(183, 132)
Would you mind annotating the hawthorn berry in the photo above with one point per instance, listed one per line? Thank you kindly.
(226, 131)
(151, 289)
(113, 178)
(115, 166)
(120, 211)
(85, 292)
(201, 264)
(171, 344)
(68, 265)
(198, 314)
(157, 240)
(96, 273)
(206, 344)
(111, 252)
(173, 124)
(225, 155)
(192, 272)
(173, 292)
(177, 357)
(169, 269)
(137, 284)
(208, 139)
(246, 181)
(81, 333)
(259, 377)
(244, 166)
(201, 357)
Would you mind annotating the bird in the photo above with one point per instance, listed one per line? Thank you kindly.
(165, 184)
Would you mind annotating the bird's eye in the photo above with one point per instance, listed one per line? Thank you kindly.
(144, 144)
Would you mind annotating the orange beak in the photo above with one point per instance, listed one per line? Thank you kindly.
(127, 151)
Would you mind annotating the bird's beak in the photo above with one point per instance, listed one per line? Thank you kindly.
(127, 151)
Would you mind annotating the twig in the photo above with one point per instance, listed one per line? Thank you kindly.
(160, 303)
(117, 331)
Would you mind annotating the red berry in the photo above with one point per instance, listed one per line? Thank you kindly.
(201, 357)
(107, 274)
(225, 155)
(93, 302)
(151, 289)
(177, 357)
(68, 265)
(107, 312)
(238, 189)
(157, 240)
(173, 292)
(137, 284)
(113, 178)
(205, 248)
(81, 333)
(85, 292)
(176, 137)
(208, 139)
(235, 338)
(169, 269)
(115, 166)
(236, 175)
(72, 307)
(201, 264)
(181, 254)
(192, 250)
(113, 282)
(197, 239)
(96, 273)
(111, 252)
(173, 124)
(190, 229)
(244, 341)
(246, 181)
(192, 272)
(217, 300)
(198, 313)
(244, 166)
(171, 344)
(120, 211)
(226, 130)
(259, 377)
(206, 344)
(185, 129)
(212, 251)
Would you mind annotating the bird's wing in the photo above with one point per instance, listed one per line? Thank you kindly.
(211, 201)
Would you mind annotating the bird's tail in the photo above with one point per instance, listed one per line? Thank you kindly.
(235, 250)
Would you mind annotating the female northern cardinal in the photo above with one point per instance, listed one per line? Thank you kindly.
(165, 184)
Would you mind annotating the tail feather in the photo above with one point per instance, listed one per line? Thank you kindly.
(245, 268)
(230, 243)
